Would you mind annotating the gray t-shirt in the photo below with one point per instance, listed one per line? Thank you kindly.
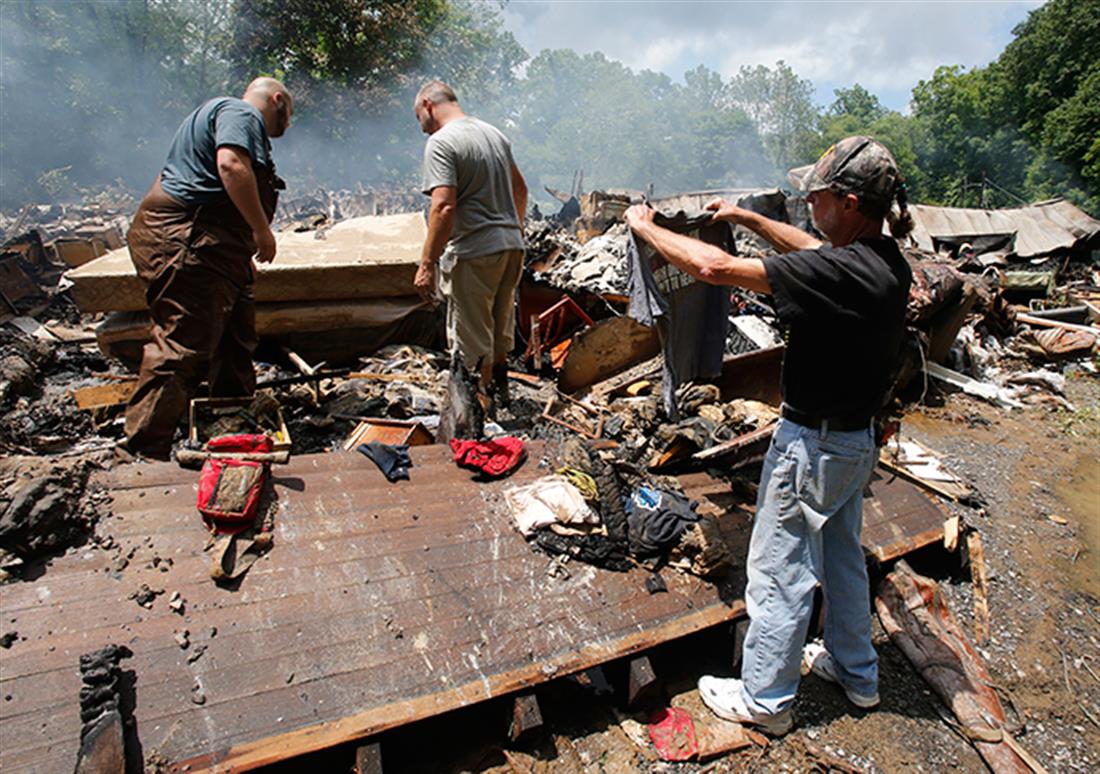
(191, 172)
(475, 158)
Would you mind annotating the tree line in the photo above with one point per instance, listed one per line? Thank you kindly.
(91, 93)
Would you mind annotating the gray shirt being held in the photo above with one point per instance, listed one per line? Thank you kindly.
(476, 159)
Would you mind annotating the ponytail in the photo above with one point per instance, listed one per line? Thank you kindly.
(901, 223)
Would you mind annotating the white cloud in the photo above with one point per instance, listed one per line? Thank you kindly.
(885, 46)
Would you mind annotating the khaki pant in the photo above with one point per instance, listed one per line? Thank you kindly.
(196, 263)
(481, 295)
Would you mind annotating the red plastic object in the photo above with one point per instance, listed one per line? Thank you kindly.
(245, 443)
(672, 732)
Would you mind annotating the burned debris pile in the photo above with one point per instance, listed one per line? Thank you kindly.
(628, 376)
(638, 360)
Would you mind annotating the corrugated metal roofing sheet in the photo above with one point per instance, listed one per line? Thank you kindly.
(1039, 228)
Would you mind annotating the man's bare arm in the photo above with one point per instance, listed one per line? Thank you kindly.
(441, 221)
(699, 259)
(519, 195)
(782, 236)
(235, 171)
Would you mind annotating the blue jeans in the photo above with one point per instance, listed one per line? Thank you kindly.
(809, 514)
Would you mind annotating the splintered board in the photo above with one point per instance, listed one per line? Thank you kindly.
(380, 604)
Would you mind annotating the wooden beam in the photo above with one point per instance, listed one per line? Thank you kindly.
(105, 395)
(607, 348)
(1045, 323)
(368, 758)
(526, 715)
(642, 682)
(976, 554)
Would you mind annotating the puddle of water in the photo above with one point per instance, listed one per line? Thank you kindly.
(1082, 499)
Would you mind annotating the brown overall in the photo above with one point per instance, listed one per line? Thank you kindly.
(196, 264)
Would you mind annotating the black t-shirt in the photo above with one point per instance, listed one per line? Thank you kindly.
(845, 311)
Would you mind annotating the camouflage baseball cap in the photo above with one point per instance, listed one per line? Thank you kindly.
(856, 165)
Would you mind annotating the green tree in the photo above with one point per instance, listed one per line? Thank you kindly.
(1026, 127)
(92, 91)
(858, 103)
(627, 129)
(967, 156)
(780, 104)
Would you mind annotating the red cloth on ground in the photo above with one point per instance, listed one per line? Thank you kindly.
(673, 734)
(493, 458)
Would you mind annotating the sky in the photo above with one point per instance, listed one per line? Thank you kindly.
(885, 46)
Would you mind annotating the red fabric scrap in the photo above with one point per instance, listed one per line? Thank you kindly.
(673, 734)
(493, 458)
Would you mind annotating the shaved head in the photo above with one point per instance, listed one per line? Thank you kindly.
(274, 102)
(265, 88)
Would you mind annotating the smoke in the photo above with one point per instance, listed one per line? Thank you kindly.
(91, 94)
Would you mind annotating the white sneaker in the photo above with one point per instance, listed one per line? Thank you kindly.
(820, 662)
(723, 696)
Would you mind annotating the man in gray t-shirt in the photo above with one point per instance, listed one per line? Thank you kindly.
(474, 249)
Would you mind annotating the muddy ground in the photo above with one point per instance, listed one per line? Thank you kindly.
(1038, 471)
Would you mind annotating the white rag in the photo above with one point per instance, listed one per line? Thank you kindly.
(551, 499)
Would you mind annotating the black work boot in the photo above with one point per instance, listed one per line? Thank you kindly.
(501, 395)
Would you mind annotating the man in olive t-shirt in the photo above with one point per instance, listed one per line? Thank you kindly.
(474, 249)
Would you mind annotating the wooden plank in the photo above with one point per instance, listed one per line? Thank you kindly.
(526, 715)
(104, 395)
(14, 282)
(606, 349)
(248, 756)
(642, 682)
(1042, 322)
(753, 375)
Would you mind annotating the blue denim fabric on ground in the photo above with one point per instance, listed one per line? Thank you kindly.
(809, 514)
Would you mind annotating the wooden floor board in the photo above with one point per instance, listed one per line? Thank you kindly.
(352, 623)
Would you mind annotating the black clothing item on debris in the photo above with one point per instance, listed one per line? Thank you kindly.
(845, 309)
(598, 550)
(691, 317)
(657, 518)
(393, 461)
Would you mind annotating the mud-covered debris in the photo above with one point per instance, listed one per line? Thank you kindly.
(198, 695)
(196, 654)
(182, 638)
(48, 511)
(144, 596)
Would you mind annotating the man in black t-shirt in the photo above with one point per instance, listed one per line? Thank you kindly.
(192, 242)
(844, 305)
